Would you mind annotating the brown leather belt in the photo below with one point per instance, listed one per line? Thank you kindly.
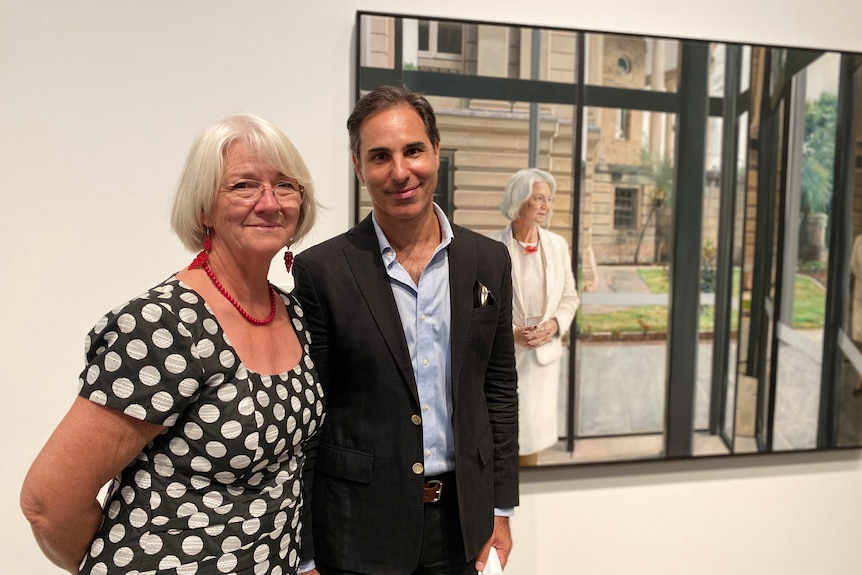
(435, 487)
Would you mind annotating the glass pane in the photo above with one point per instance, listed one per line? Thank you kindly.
(632, 62)
(449, 38)
(717, 54)
(737, 311)
(703, 442)
(809, 195)
(772, 236)
(745, 80)
(747, 383)
(469, 49)
(624, 277)
(377, 48)
(424, 41)
(850, 339)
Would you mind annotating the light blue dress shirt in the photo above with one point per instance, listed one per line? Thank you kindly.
(426, 316)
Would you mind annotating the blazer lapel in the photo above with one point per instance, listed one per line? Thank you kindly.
(462, 277)
(363, 257)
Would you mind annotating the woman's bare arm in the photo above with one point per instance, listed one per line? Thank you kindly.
(91, 445)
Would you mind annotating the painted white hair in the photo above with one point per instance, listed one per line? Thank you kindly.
(520, 187)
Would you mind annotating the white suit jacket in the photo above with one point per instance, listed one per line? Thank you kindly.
(561, 296)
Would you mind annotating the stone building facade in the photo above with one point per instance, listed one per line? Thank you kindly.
(627, 161)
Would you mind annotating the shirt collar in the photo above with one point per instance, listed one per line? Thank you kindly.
(446, 234)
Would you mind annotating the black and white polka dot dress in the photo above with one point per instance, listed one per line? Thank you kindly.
(221, 490)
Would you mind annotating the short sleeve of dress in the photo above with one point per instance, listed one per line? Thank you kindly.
(142, 358)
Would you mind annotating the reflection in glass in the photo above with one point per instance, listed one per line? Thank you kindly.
(747, 381)
(849, 420)
(772, 196)
(803, 307)
(721, 254)
(738, 312)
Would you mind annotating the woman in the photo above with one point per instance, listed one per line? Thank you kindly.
(198, 395)
(544, 302)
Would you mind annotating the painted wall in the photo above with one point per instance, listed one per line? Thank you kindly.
(99, 104)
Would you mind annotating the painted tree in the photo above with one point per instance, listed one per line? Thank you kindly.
(661, 171)
(818, 154)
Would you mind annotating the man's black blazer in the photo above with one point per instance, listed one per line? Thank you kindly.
(367, 510)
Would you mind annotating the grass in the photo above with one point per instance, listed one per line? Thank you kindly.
(808, 308)
(809, 303)
(656, 279)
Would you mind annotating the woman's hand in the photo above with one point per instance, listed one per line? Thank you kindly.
(536, 335)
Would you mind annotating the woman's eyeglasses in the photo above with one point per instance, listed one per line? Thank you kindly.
(250, 191)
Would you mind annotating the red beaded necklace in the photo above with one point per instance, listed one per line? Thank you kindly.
(235, 303)
(528, 247)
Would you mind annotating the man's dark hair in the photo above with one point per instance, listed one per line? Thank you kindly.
(386, 98)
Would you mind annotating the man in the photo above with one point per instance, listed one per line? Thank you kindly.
(411, 325)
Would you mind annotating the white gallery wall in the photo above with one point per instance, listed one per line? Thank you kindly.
(99, 102)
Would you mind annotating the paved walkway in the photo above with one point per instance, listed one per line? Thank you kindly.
(620, 279)
(622, 389)
(619, 287)
(621, 385)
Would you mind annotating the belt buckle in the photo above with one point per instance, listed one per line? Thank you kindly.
(437, 485)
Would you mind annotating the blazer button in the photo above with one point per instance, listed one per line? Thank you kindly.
(418, 468)
(415, 419)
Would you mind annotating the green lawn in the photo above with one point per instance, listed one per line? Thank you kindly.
(656, 279)
(808, 308)
(809, 304)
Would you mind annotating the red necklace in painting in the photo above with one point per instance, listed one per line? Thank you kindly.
(528, 247)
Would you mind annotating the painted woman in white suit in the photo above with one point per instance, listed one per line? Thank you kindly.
(544, 302)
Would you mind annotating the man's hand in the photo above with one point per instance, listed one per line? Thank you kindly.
(501, 539)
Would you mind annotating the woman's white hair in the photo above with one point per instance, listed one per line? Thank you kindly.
(201, 176)
(520, 188)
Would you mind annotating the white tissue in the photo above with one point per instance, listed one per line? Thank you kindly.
(492, 567)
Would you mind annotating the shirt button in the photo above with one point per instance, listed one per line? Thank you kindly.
(422, 317)
(424, 362)
(415, 419)
(418, 468)
(425, 407)
(428, 452)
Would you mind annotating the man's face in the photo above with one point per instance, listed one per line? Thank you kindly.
(397, 163)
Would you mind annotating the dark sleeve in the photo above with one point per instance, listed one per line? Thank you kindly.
(314, 311)
(501, 391)
(141, 361)
(306, 295)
